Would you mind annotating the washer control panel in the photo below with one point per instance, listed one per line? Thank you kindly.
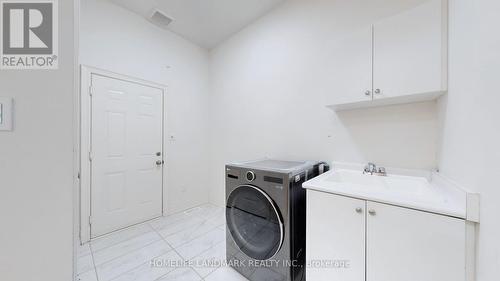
(250, 176)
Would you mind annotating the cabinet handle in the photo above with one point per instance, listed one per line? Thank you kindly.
(368, 93)
(359, 210)
(372, 212)
(377, 91)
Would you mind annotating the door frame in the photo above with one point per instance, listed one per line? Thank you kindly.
(86, 73)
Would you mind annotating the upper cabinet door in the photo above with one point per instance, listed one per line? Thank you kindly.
(410, 52)
(350, 72)
(335, 233)
(409, 245)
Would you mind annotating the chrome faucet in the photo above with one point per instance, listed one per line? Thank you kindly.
(371, 169)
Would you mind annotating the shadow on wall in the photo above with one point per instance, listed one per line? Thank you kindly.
(404, 136)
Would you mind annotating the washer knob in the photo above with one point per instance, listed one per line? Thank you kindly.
(250, 176)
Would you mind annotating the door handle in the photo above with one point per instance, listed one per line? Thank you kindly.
(159, 162)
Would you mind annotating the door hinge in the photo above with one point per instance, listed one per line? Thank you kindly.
(90, 220)
(91, 90)
(90, 156)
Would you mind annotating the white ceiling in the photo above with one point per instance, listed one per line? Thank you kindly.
(204, 22)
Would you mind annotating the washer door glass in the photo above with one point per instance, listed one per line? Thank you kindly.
(254, 222)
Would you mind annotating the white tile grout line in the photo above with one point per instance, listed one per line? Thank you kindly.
(152, 229)
(121, 274)
(93, 262)
(108, 261)
(161, 238)
(124, 255)
(84, 256)
(125, 272)
(148, 223)
(159, 229)
(114, 244)
(183, 259)
(128, 252)
(206, 252)
(193, 238)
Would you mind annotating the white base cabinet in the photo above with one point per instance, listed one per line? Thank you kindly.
(380, 242)
(327, 214)
(409, 245)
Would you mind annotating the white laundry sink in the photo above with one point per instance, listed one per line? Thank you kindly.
(417, 192)
(403, 185)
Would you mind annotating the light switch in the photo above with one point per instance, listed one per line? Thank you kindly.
(6, 114)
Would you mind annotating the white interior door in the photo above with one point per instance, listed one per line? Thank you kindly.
(126, 154)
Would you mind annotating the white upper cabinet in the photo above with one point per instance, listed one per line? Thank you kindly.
(410, 52)
(402, 59)
(351, 74)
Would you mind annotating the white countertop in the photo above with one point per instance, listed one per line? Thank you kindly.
(417, 191)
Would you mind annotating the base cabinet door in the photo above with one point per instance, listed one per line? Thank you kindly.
(409, 245)
(335, 237)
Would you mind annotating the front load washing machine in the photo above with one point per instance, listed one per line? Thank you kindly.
(266, 219)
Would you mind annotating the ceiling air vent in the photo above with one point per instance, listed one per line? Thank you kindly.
(159, 18)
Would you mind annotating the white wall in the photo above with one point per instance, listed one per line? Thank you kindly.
(36, 167)
(268, 87)
(470, 119)
(118, 40)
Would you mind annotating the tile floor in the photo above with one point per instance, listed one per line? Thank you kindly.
(187, 246)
